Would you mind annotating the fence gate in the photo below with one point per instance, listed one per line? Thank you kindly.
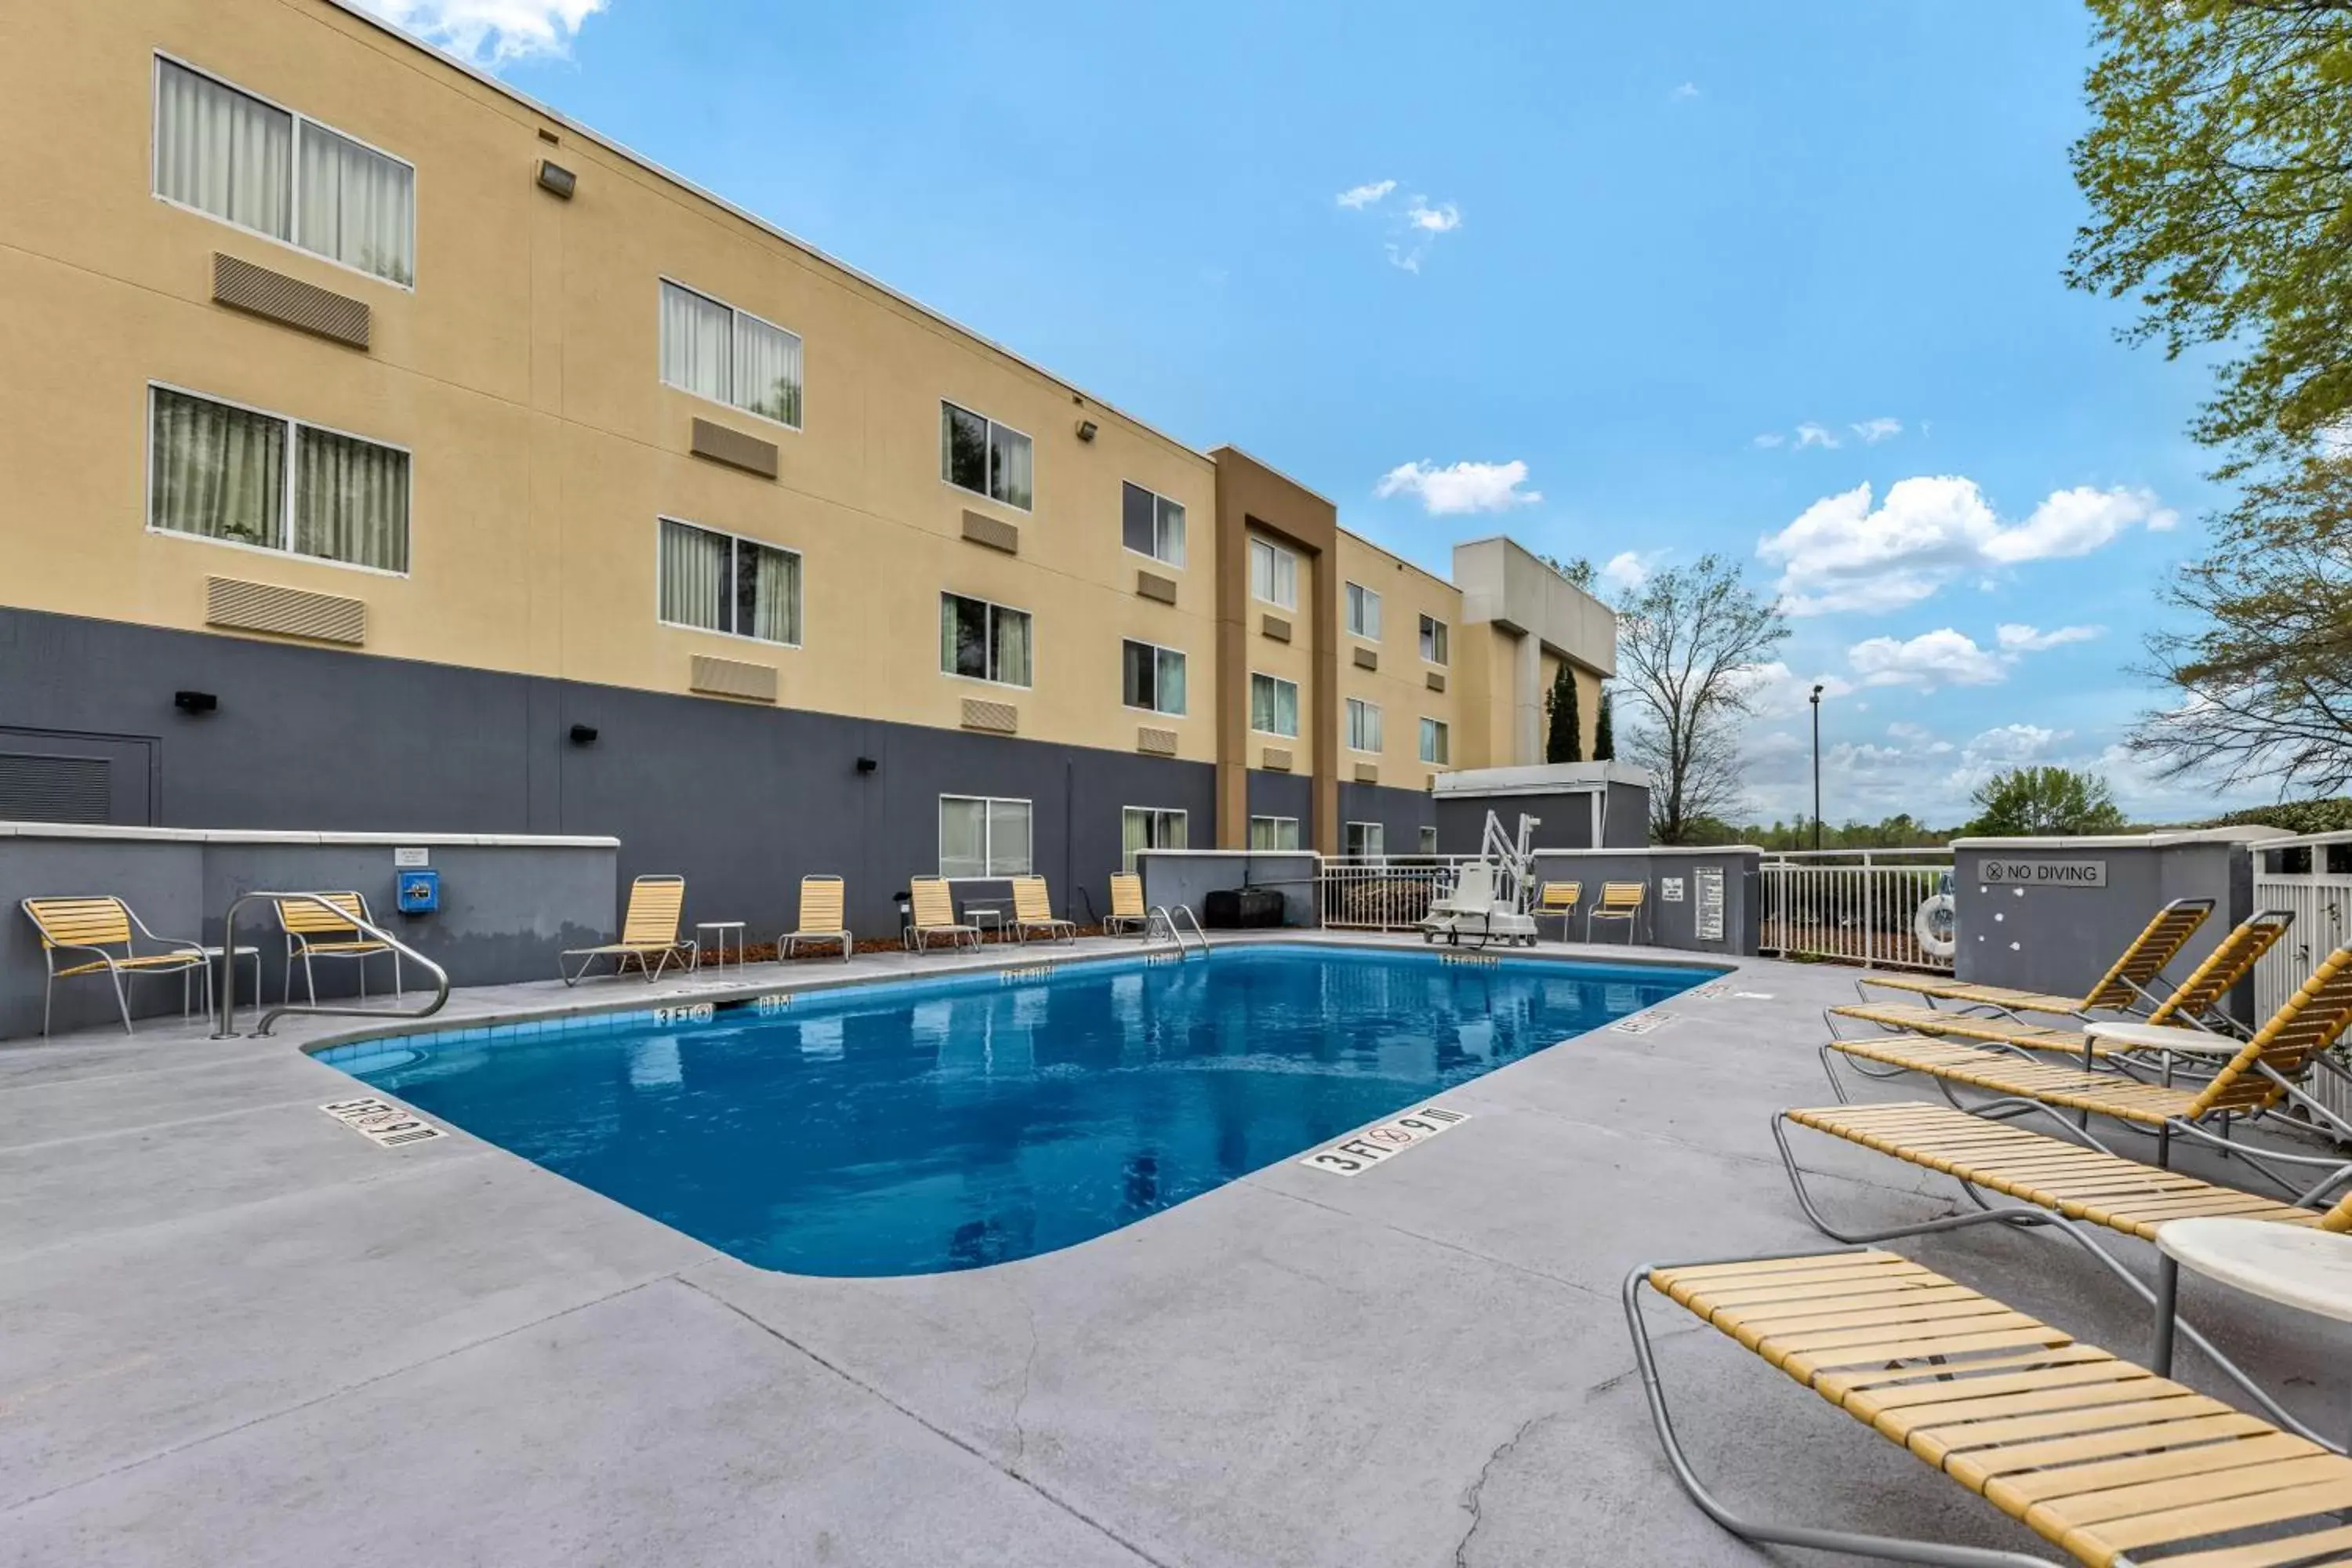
(1877, 907)
(2309, 877)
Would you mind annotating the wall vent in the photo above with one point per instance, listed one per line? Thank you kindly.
(722, 444)
(1436, 682)
(1152, 586)
(1275, 627)
(1367, 659)
(1366, 773)
(53, 789)
(258, 291)
(996, 718)
(1274, 759)
(733, 677)
(284, 612)
(1155, 742)
(989, 531)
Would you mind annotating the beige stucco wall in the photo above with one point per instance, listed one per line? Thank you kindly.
(1293, 660)
(1400, 684)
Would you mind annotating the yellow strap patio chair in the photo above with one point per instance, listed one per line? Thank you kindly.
(935, 917)
(1557, 900)
(823, 918)
(1126, 910)
(2125, 987)
(2111, 1462)
(1627, 901)
(1033, 911)
(108, 932)
(648, 933)
(314, 932)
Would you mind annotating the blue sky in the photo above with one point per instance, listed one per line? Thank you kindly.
(1634, 283)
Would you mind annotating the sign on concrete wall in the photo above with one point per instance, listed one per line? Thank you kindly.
(1992, 871)
(1710, 902)
(1670, 888)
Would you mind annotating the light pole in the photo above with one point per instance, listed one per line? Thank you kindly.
(1817, 768)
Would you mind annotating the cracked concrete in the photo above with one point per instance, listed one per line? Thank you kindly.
(232, 1332)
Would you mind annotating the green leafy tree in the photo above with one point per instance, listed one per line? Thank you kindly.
(1564, 743)
(1689, 641)
(2035, 802)
(2219, 172)
(1576, 569)
(1604, 731)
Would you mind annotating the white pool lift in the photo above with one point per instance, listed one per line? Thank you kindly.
(1490, 897)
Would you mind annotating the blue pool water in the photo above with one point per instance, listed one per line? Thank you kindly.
(927, 1125)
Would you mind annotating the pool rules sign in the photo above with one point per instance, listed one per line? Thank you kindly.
(1360, 1152)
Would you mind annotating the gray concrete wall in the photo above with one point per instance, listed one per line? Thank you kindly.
(1402, 813)
(1563, 821)
(1671, 923)
(1190, 876)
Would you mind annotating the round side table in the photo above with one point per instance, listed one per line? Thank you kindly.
(721, 928)
(2295, 1266)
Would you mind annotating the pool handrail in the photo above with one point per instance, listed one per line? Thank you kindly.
(224, 1028)
(1158, 916)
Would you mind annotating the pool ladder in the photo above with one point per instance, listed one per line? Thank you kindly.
(228, 1029)
(1159, 919)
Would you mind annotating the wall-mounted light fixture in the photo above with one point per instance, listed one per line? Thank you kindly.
(1086, 429)
(557, 181)
(194, 701)
(868, 764)
(583, 734)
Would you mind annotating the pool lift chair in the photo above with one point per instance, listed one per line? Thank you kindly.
(1489, 898)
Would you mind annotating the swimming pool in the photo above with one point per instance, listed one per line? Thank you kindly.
(920, 1126)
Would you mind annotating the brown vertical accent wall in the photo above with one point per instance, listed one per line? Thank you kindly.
(1252, 496)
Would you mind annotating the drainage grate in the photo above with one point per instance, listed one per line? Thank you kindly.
(385, 1122)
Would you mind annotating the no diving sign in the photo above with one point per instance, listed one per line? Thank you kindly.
(1360, 1152)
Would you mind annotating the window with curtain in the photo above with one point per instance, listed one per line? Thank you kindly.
(1151, 524)
(1274, 833)
(1142, 827)
(226, 152)
(1363, 611)
(977, 454)
(1433, 639)
(1152, 678)
(1365, 840)
(1363, 725)
(983, 641)
(1433, 738)
(712, 350)
(219, 471)
(1274, 705)
(983, 836)
(1273, 573)
(720, 582)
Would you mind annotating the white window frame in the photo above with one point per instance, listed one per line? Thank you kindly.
(1367, 831)
(946, 594)
(1355, 598)
(294, 192)
(1444, 732)
(800, 610)
(988, 803)
(285, 552)
(1277, 553)
(1428, 839)
(1156, 649)
(732, 310)
(1258, 675)
(1183, 531)
(1157, 813)
(1356, 705)
(1443, 634)
(1276, 822)
(995, 424)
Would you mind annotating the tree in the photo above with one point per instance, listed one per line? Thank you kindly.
(1688, 644)
(1565, 742)
(1605, 733)
(2265, 679)
(1576, 569)
(2035, 802)
(2219, 172)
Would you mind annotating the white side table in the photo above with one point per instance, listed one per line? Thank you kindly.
(2307, 1269)
(213, 955)
(721, 928)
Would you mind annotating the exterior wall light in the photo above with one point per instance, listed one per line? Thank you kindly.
(194, 701)
(557, 181)
(1086, 429)
(868, 764)
(583, 734)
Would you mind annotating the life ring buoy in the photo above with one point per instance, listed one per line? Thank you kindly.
(1932, 926)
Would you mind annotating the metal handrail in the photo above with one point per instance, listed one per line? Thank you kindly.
(1158, 916)
(225, 1030)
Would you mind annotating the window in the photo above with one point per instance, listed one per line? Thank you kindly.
(1363, 725)
(1365, 840)
(720, 582)
(1274, 705)
(983, 837)
(729, 356)
(1151, 524)
(1152, 678)
(1274, 833)
(1273, 573)
(1433, 741)
(1433, 639)
(230, 154)
(219, 471)
(979, 455)
(1147, 827)
(1429, 841)
(1363, 612)
(983, 641)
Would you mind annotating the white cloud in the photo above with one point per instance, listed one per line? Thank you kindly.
(1774, 691)
(1844, 553)
(2015, 638)
(1443, 218)
(490, 32)
(2334, 440)
(1874, 431)
(1461, 487)
(1811, 434)
(1361, 197)
(1770, 439)
(1684, 93)
(1944, 657)
(1629, 569)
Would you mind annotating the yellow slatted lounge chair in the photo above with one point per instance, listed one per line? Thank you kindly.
(2111, 1463)
(2124, 988)
(1033, 910)
(1620, 901)
(1126, 910)
(934, 917)
(314, 932)
(109, 931)
(1557, 900)
(823, 918)
(648, 933)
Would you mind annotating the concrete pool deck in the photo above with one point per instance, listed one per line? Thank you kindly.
(233, 1331)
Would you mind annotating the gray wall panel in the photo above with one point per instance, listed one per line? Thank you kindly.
(1403, 812)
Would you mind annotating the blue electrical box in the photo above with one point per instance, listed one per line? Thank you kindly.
(419, 893)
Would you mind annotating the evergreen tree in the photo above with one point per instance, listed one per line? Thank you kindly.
(1604, 743)
(1565, 743)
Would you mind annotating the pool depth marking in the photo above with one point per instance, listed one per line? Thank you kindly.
(1360, 1152)
(389, 1125)
(685, 1013)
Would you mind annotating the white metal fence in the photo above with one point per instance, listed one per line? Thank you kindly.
(2310, 876)
(1382, 892)
(1889, 907)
